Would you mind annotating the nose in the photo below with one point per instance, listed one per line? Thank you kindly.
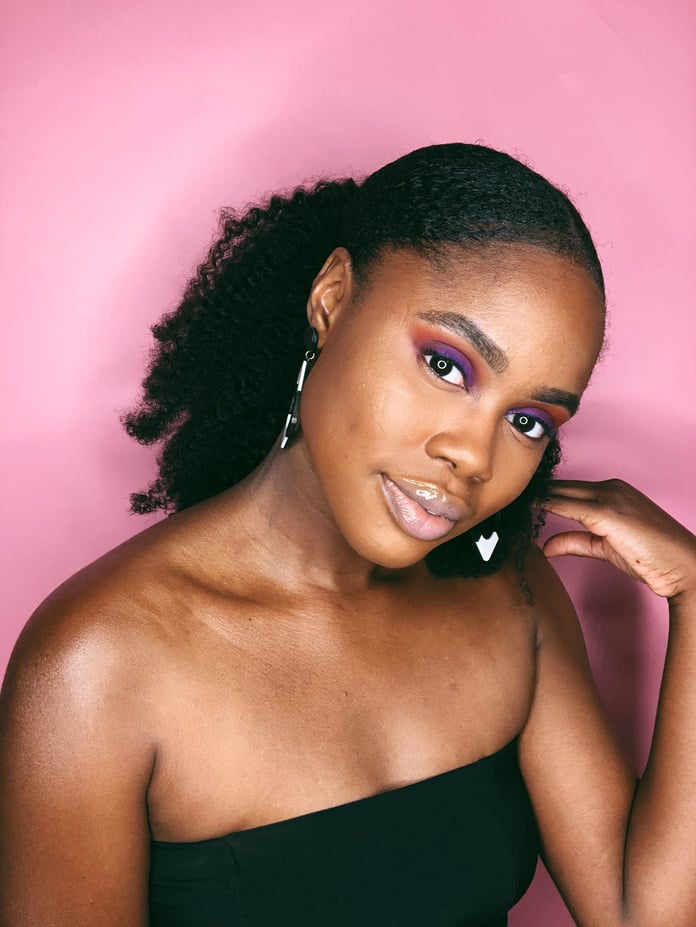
(468, 448)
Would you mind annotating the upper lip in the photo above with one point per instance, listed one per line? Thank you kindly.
(433, 498)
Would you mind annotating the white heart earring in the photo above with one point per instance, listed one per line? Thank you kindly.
(488, 540)
(486, 545)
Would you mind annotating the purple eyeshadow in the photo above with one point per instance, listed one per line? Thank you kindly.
(458, 359)
(538, 414)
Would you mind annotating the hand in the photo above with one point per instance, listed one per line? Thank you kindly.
(627, 529)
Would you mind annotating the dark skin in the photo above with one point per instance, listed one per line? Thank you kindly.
(281, 648)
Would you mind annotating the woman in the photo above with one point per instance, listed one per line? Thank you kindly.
(341, 686)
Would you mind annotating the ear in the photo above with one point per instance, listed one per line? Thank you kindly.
(331, 292)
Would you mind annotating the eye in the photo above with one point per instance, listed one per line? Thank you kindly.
(445, 368)
(531, 426)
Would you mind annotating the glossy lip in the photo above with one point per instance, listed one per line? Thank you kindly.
(431, 497)
(423, 510)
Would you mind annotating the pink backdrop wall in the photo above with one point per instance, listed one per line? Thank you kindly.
(127, 124)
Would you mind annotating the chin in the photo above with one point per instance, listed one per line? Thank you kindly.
(394, 553)
(388, 562)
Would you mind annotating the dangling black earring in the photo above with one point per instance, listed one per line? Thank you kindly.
(292, 422)
(488, 539)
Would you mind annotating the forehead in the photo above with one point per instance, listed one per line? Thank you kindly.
(544, 311)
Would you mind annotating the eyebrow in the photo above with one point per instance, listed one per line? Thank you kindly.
(465, 328)
(558, 397)
(494, 356)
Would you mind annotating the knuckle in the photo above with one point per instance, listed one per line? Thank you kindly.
(615, 488)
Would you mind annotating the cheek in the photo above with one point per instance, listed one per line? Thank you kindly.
(364, 400)
(336, 412)
(513, 471)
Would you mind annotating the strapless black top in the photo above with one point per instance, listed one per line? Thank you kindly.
(455, 850)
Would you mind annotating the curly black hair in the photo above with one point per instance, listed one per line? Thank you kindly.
(224, 366)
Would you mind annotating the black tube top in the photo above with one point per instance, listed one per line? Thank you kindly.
(455, 850)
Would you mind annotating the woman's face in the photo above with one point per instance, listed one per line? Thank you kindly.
(438, 387)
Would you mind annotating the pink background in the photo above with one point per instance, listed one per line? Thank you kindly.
(127, 124)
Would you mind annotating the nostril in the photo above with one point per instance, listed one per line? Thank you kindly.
(470, 456)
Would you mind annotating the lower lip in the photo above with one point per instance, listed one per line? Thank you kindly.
(411, 517)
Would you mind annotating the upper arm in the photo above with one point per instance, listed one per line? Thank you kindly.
(578, 780)
(76, 761)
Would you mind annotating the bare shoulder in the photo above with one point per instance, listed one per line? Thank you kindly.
(524, 591)
(82, 664)
(96, 647)
(98, 626)
(579, 782)
(550, 606)
(78, 745)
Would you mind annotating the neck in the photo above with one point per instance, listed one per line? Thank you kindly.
(280, 516)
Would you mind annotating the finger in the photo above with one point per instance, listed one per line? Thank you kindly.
(587, 511)
(575, 502)
(577, 544)
(575, 489)
(579, 484)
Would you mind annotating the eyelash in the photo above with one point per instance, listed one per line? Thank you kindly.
(431, 356)
(548, 430)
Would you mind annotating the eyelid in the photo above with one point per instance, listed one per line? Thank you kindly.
(541, 414)
(460, 361)
(548, 424)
